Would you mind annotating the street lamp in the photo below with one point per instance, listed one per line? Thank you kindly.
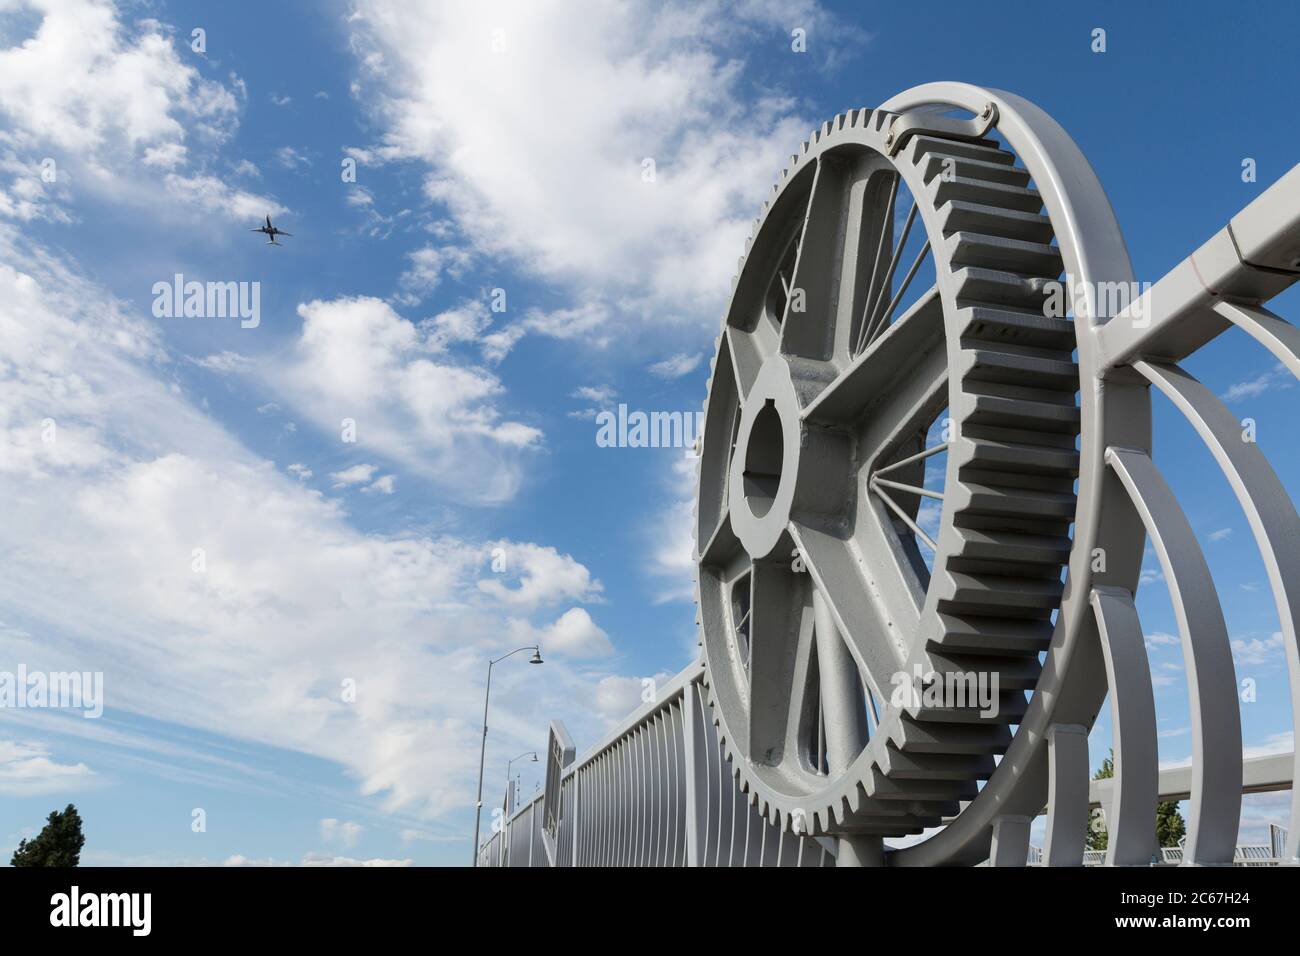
(530, 753)
(482, 748)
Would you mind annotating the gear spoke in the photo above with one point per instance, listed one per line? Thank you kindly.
(891, 359)
(722, 545)
(907, 410)
(777, 620)
(843, 706)
(745, 351)
(886, 284)
(875, 638)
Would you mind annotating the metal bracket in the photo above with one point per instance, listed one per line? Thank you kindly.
(905, 125)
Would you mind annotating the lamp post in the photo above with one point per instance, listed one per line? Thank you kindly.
(530, 753)
(482, 748)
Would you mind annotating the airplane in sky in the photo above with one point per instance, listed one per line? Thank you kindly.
(271, 231)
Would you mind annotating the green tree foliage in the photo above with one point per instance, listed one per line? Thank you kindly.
(1170, 827)
(58, 844)
(1097, 838)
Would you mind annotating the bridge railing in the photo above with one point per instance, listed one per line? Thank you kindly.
(657, 791)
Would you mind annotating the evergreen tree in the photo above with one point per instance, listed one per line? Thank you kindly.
(58, 844)
(1097, 838)
(1170, 827)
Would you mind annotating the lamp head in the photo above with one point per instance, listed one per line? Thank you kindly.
(537, 656)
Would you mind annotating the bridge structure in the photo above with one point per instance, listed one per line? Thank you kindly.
(926, 487)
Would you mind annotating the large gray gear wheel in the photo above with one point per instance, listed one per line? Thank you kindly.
(840, 351)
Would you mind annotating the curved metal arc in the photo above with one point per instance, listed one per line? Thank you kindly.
(1207, 656)
(1269, 510)
(1130, 815)
(1075, 200)
(1271, 331)
(1072, 686)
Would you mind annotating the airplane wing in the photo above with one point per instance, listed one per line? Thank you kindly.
(258, 229)
(281, 232)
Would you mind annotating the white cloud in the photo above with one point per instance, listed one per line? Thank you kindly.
(617, 697)
(539, 575)
(345, 832)
(1221, 534)
(1277, 377)
(382, 485)
(118, 89)
(292, 600)
(677, 365)
(672, 547)
(356, 475)
(600, 394)
(299, 471)
(325, 859)
(590, 323)
(225, 362)
(315, 859)
(211, 196)
(358, 359)
(463, 323)
(1162, 639)
(1282, 743)
(428, 265)
(562, 190)
(26, 770)
(112, 104)
(290, 158)
(1255, 650)
(572, 634)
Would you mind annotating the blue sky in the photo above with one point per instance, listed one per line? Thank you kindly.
(485, 161)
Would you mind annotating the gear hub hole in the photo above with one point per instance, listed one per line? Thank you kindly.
(764, 454)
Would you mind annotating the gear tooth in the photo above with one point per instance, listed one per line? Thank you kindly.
(826, 128)
(859, 798)
(842, 811)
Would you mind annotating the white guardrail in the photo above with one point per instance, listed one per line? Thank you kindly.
(658, 791)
